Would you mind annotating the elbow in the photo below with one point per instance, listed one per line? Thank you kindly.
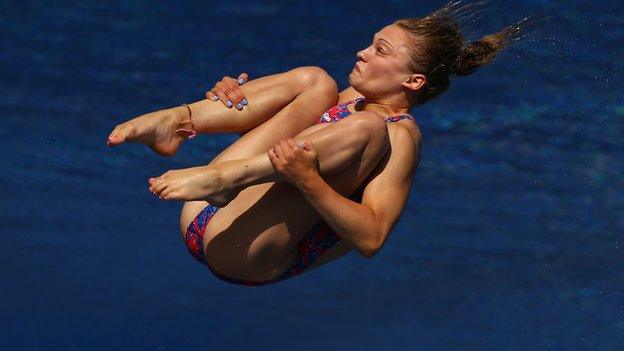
(368, 253)
(370, 250)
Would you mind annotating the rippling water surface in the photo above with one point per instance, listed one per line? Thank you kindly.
(512, 238)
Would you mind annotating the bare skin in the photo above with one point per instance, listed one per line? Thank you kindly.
(254, 237)
(220, 182)
(277, 95)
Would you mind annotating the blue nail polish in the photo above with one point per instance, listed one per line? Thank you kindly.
(244, 102)
(239, 106)
(240, 81)
(229, 103)
(215, 98)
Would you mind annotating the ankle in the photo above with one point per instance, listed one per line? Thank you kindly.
(180, 116)
(183, 119)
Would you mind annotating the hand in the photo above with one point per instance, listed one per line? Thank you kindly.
(295, 163)
(227, 90)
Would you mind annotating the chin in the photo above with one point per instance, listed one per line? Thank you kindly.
(353, 81)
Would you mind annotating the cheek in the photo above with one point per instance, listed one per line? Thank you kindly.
(385, 74)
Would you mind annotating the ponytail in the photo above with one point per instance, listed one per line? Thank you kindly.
(438, 47)
(483, 52)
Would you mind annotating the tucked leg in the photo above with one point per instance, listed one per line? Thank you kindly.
(266, 96)
(338, 146)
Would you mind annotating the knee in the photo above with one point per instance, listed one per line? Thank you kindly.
(313, 77)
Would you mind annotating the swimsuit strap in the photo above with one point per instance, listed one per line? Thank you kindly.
(393, 118)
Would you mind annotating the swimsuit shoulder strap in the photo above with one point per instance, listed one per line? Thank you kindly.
(352, 101)
(397, 118)
(394, 118)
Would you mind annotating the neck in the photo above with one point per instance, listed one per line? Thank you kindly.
(386, 107)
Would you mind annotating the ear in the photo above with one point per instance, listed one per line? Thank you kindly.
(415, 82)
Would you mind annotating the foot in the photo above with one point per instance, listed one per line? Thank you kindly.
(196, 183)
(162, 130)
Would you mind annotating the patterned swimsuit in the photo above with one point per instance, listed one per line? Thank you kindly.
(317, 241)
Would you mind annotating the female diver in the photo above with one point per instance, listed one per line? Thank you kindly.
(315, 173)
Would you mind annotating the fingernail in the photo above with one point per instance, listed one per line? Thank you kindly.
(240, 81)
(229, 103)
(245, 102)
(239, 106)
(214, 98)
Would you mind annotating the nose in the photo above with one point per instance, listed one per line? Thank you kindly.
(360, 54)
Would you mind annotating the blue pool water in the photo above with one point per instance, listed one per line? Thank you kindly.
(512, 238)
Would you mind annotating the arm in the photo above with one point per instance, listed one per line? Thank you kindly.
(367, 225)
(227, 90)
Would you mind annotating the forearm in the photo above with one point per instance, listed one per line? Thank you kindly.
(353, 221)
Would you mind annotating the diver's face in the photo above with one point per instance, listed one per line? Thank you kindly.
(382, 66)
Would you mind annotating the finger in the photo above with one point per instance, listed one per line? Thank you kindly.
(242, 78)
(211, 96)
(273, 152)
(223, 97)
(279, 151)
(226, 84)
(240, 96)
(273, 157)
(288, 152)
(309, 146)
(234, 94)
(293, 144)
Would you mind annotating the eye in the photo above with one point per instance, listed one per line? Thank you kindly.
(380, 50)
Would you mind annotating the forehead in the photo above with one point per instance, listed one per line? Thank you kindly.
(397, 37)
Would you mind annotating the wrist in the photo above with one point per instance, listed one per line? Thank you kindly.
(308, 184)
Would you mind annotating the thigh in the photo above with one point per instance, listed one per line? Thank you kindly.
(301, 115)
(256, 235)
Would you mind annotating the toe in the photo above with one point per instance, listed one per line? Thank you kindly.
(159, 186)
(169, 194)
(122, 133)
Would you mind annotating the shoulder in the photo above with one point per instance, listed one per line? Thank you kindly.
(402, 159)
(404, 134)
(348, 94)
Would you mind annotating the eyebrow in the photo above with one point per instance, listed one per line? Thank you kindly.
(374, 36)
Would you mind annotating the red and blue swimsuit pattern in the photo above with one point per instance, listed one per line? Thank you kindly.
(317, 241)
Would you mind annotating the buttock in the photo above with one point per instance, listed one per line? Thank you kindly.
(318, 240)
